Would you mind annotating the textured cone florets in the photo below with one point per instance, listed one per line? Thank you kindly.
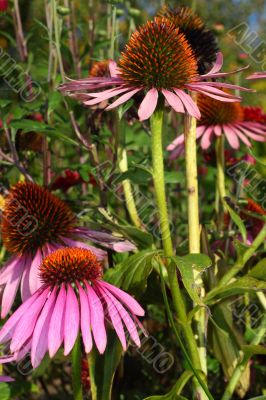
(201, 39)
(70, 265)
(158, 56)
(214, 112)
(33, 216)
(100, 69)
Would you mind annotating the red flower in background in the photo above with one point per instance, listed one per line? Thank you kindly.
(254, 114)
(71, 178)
(3, 5)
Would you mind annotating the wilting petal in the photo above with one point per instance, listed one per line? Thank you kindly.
(97, 319)
(26, 324)
(206, 138)
(188, 102)
(85, 320)
(56, 327)
(231, 137)
(128, 300)
(40, 335)
(257, 75)
(114, 315)
(217, 65)
(148, 104)
(11, 286)
(173, 100)
(123, 99)
(72, 319)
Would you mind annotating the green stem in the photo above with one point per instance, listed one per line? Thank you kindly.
(76, 370)
(179, 340)
(194, 227)
(57, 35)
(159, 186)
(220, 166)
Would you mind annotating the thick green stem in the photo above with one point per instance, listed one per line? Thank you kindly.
(159, 186)
(76, 370)
(220, 166)
(194, 229)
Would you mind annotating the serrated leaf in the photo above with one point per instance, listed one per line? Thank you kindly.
(132, 274)
(238, 221)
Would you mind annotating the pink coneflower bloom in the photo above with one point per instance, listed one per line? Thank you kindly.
(72, 298)
(35, 223)
(219, 118)
(257, 75)
(159, 62)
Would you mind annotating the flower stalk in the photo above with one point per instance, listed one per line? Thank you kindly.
(220, 167)
(76, 370)
(160, 194)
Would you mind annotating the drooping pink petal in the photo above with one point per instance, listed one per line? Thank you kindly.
(217, 130)
(114, 72)
(34, 277)
(252, 135)
(25, 327)
(215, 96)
(177, 142)
(217, 65)
(6, 379)
(231, 137)
(40, 335)
(240, 135)
(209, 89)
(85, 319)
(101, 254)
(131, 327)
(114, 316)
(128, 300)
(7, 330)
(56, 327)
(189, 104)
(123, 99)
(72, 320)
(97, 319)
(228, 86)
(99, 97)
(7, 270)
(11, 287)
(173, 100)
(257, 75)
(25, 283)
(206, 138)
(23, 351)
(260, 129)
(216, 75)
(148, 104)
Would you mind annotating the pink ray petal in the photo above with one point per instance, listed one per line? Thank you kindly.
(177, 152)
(34, 276)
(216, 97)
(217, 130)
(222, 74)
(177, 142)
(228, 86)
(11, 287)
(148, 104)
(257, 75)
(40, 335)
(123, 99)
(114, 315)
(254, 127)
(231, 137)
(240, 135)
(56, 327)
(189, 104)
(173, 100)
(201, 86)
(97, 319)
(206, 138)
(72, 320)
(114, 72)
(7, 270)
(99, 97)
(128, 300)
(6, 379)
(25, 283)
(252, 135)
(101, 254)
(24, 351)
(217, 65)
(26, 324)
(131, 327)
(85, 319)
(7, 330)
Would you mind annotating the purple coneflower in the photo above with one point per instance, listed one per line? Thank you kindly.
(158, 60)
(73, 297)
(218, 118)
(35, 223)
(257, 75)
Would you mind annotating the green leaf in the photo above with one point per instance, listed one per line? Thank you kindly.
(259, 271)
(174, 177)
(124, 108)
(186, 265)
(132, 274)
(103, 367)
(5, 391)
(252, 349)
(174, 393)
(238, 221)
